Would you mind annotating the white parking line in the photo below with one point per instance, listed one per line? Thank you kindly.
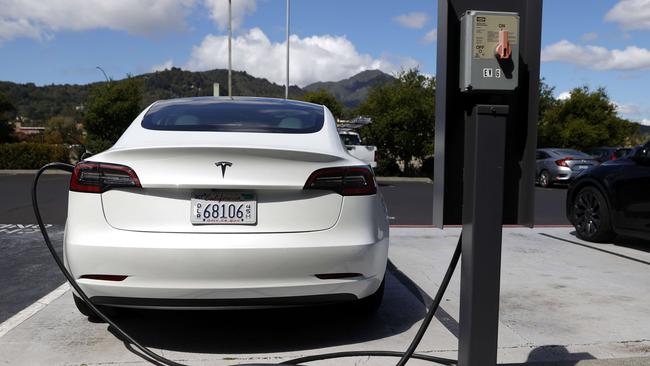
(32, 309)
(21, 228)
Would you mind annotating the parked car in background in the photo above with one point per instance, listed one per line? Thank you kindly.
(613, 198)
(603, 154)
(365, 153)
(634, 150)
(561, 165)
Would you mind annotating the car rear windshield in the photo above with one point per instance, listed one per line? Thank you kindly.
(226, 115)
(572, 153)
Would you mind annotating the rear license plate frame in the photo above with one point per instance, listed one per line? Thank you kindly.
(223, 207)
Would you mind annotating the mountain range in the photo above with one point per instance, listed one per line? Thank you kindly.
(352, 91)
(36, 104)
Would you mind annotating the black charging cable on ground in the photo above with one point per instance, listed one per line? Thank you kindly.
(150, 356)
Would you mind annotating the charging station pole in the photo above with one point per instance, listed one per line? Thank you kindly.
(486, 130)
(481, 247)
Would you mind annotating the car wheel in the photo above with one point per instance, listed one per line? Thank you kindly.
(369, 305)
(92, 316)
(545, 179)
(83, 307)
(590, 216)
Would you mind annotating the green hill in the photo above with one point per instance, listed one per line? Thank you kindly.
(352, 91)
(36, 104)
(644, 130)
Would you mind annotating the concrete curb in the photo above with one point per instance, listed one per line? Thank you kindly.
(404, 179)
(34, 308)
(28, 172)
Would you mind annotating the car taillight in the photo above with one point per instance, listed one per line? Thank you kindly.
(347, 181)
(100, 177)
(562, 162)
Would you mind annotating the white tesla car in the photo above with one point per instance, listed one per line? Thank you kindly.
(219, 202)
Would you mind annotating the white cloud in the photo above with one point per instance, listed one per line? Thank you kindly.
(630, 14)
(413, 20)
(564, 95)
(634, 112)
(588, 37)
(13, 28)
(596, 57)
(38, 19)
(431, 36)
(219, 11)
(315, 58)
(628, 109)
(167, 65)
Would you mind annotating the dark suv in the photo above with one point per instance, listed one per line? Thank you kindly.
(613, 198)
(603, 154)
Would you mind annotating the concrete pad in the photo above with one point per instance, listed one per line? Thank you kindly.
(560, 302)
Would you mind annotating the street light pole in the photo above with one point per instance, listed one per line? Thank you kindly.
(286, 87)
(230, 48)
(103, 72)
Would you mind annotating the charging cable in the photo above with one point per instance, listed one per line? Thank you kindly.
(150, 356)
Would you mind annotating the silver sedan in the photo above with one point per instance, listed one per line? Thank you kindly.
(561, 165)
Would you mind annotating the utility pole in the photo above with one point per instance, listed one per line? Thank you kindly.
(286, 87)
(230, 48)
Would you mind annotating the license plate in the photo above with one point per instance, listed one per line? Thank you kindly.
(582, 167)
(224, 208)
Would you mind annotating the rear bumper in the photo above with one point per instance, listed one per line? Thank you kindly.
(213, 270)
(565, 175)
(204, 304)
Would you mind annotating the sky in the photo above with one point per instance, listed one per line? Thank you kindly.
(584, 42)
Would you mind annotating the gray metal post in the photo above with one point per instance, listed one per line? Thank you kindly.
(230, 48)
(286, 87)
(485, 141)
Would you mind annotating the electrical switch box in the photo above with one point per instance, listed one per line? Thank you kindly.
(489, 51)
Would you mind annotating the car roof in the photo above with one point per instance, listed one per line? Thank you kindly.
(243, 100)
(608, 148)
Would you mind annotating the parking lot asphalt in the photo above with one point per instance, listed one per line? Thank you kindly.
(27, 271)
(562, 299)
(409, 203)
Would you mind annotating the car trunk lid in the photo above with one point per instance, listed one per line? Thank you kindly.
(172, 176)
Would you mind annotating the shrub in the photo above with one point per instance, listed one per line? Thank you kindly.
(387, 168)
(96, 145)
(31, 155)
(426, 170)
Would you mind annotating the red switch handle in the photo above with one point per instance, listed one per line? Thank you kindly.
(503, 48)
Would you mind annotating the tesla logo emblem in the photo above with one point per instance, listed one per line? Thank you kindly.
(223, 165)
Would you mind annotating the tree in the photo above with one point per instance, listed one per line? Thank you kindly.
(62, 130)
(584, 120)
(546, 99)
(111, 109)
(6, 127)
(325, 98)
(403, 116)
